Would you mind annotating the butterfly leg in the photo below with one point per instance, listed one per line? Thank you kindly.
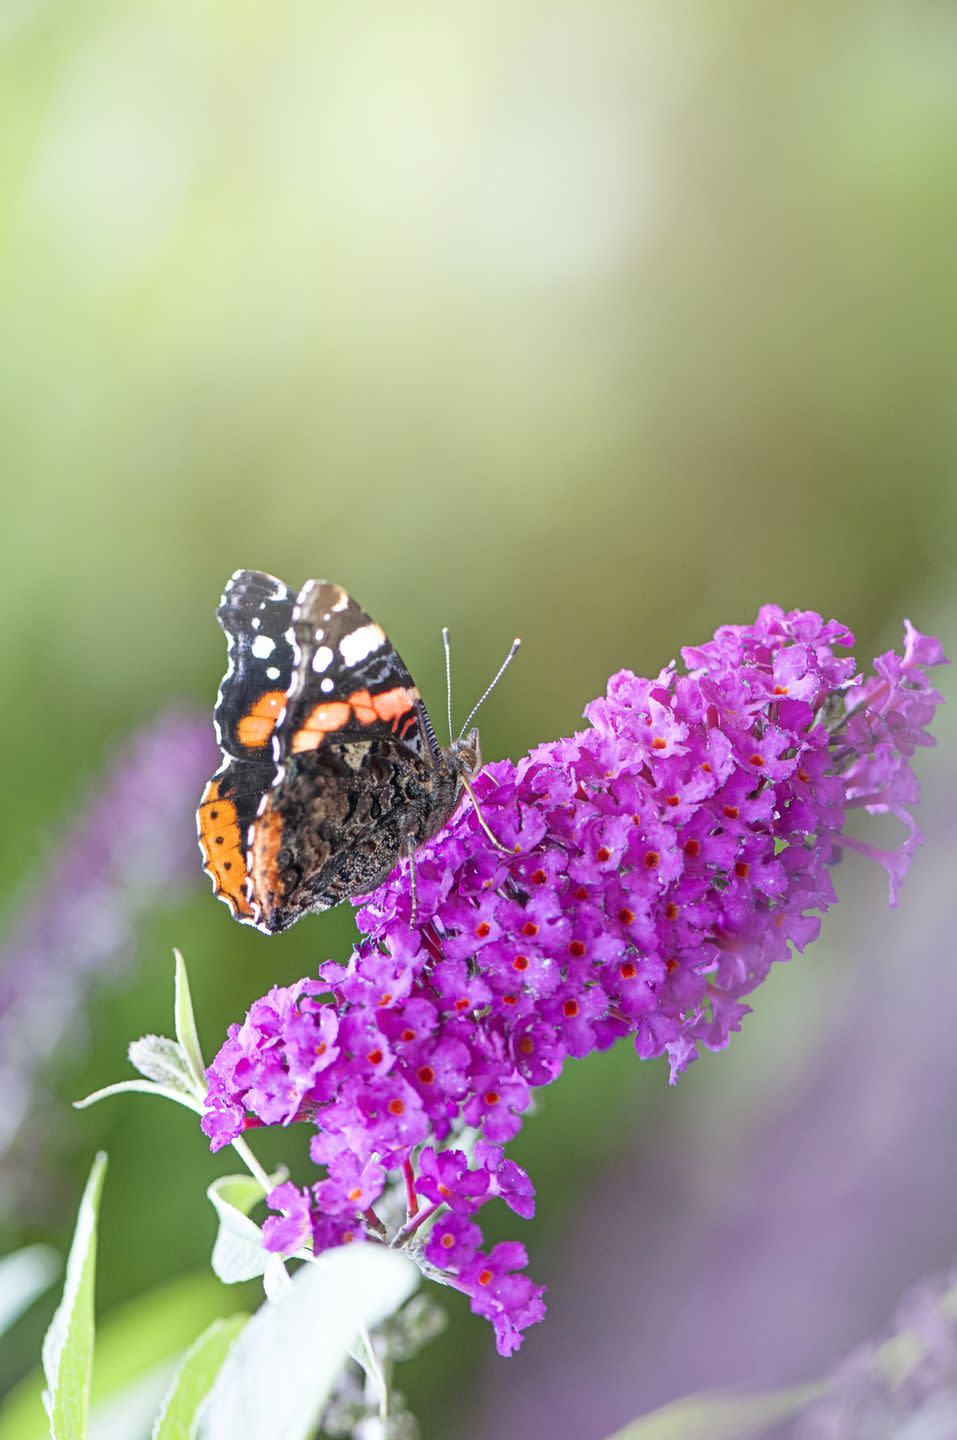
(482, 820)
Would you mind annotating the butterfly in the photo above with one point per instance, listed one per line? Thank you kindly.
(331, 770)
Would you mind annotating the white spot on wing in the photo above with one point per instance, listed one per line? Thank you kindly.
(263, 647)
(272, 672)
(326, 685)
(322, 659)
(362, 642)
(342, 601)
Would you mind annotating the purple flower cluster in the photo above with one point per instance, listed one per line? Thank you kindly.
(657, 864)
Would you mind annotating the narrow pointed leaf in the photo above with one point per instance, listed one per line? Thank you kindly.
(194, 1379)
(68, 1344)
(140, 1087)
(23, 1276)
(146, 1336)
(185, 1021)
(278, 1375)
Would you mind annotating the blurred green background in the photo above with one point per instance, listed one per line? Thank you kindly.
(600, 323)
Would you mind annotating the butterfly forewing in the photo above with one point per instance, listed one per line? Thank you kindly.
(348, 680)
(256, 614)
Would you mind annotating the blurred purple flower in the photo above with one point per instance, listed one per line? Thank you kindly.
(906, 1389)
(132, 846)
(663, 860)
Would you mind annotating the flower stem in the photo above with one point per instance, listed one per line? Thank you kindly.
(412, 1200)
(252, 1164)
(411, 1225)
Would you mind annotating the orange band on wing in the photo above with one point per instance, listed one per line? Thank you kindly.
(318, 723)
(393, 704)
(363, 706)
(221, 843)
(257, 725)
(390, 706)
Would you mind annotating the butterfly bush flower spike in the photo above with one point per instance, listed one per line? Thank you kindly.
(658, 863)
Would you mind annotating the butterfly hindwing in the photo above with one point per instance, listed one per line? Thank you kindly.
(256, 614)
(226, 811)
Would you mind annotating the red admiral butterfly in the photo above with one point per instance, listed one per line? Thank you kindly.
(331, 770)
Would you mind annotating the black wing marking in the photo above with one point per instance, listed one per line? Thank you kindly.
(348, 679)
(256, 614)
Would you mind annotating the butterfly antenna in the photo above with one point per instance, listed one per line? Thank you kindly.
(494, 681)
(448, 676)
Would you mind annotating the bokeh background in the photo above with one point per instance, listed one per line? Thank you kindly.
(600, 323)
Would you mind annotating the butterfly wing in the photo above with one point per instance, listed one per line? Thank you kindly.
(349, 682)
(256, 614)
(360, 769)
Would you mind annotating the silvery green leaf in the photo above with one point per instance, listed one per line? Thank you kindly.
(68, 1344)
(238, 1252)
(163, 1061)
(23, 1276)
(277, 1378)
(185, 1021)
(146, 1337)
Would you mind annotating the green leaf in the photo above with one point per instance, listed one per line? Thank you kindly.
(134, 1343)
(278, 1376)
(23, 1276)
(68, 1344)
(140, 1087)
(720, 1416)
(238, 1252)
(193, 1381)
(185, 1020)
(163, 1061)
